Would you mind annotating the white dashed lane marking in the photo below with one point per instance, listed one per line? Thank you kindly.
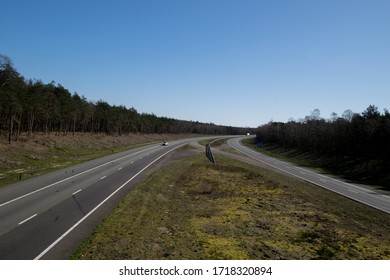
(22, 222)
(76, 192)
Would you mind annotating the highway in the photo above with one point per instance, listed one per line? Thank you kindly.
(364, 195)
(47, 217)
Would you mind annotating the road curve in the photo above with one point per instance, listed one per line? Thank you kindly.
(367, 196)
(47, 217)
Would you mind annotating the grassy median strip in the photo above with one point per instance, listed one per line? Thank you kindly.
(191, 209)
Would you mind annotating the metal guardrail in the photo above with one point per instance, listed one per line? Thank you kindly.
(209, 153)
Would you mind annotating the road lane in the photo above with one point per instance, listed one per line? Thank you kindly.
(41, 199)
(367, 195)
(55, 214)
(53, 209)
(37, 184)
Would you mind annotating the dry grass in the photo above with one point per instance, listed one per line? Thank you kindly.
(194, 210)
(38, 154)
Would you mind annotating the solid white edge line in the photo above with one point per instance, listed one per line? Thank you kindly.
(22, 222)
(315, 183)
(99, 205)
(103, 177)
(71, 177)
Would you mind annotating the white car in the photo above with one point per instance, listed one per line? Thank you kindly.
(165, 143)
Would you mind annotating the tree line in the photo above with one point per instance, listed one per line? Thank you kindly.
(31, 106)
(363, 135)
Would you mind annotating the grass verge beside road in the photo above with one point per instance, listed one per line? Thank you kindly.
(38, 154)
(361, 171)
(191, 209)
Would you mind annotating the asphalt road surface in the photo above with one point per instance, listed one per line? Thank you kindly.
(364, 195)
(47, 217)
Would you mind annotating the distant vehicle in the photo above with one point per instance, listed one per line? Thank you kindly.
(165, 143)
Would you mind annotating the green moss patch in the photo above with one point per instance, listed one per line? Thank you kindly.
(191, 209)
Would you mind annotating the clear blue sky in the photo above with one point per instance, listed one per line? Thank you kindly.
(240, 63)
